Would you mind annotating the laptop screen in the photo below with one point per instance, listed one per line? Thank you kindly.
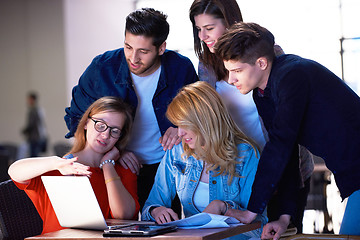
(74, 202)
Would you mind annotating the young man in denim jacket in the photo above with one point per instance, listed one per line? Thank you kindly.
(145, 75)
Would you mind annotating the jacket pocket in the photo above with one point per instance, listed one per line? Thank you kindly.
(181, 174)
(232, 190)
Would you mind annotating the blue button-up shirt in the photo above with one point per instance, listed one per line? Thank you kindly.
(109, 75)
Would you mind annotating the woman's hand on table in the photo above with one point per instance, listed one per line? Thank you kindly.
(164, 215)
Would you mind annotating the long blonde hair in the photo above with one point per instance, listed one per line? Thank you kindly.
(199, 108)
(104, 104)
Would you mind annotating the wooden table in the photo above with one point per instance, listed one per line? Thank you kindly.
(180, 234)
(321, 237)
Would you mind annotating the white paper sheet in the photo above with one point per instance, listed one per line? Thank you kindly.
(205, 220)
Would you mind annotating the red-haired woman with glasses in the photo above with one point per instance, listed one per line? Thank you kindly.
(100, 138)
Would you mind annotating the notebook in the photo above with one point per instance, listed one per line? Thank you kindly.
(75, 203)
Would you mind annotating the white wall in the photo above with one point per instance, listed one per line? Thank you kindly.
(32, 58)
(45, 46)
(307, 28)
(91, 28)
(13, 82)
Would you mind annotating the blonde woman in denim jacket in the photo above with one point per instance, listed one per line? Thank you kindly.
(214, 167)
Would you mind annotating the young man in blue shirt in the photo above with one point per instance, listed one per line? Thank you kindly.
(146, 76)
(300, 102)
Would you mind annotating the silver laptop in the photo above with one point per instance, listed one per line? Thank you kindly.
(75, 203)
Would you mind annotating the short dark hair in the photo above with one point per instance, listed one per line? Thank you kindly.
(246, 42)
(33, 96)
(150, 23)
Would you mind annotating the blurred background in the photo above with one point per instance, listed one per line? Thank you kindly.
(45, 45)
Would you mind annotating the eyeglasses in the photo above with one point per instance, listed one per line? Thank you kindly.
(100, 126)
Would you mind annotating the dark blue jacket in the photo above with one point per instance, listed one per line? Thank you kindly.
(304, 103)
(109, 75)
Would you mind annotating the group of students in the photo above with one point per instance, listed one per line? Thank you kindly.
(134, 106)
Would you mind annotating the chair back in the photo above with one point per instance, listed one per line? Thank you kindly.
(61, 148)
(4, 164)
(18, 216)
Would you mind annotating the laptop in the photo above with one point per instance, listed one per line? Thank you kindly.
(75, 203)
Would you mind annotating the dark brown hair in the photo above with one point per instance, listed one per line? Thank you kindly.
(229, 12)
(246, 42)
(148, 22)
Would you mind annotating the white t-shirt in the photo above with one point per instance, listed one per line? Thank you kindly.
(201, 196)
(144, 141)
(243, 110)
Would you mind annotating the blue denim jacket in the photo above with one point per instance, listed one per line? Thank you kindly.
(109, 75)
(181, 176)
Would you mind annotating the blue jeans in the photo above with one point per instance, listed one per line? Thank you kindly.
(350, 224)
